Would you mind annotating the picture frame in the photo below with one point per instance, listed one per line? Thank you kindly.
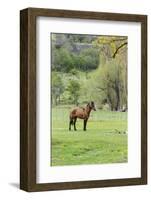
(28, 99)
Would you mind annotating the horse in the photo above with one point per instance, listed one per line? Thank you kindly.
(81, 113)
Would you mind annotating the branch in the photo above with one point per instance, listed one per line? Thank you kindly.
(118, 49)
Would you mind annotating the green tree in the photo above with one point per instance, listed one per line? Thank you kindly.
(62, 60)
(74, 91)
(74, 51)
(111, 46)
(91, 58)
(111, 84)
(57, 88)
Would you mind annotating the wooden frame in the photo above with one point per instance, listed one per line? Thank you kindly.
(28, 99)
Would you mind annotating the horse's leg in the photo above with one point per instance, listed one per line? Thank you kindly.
(75, 123)
(85, 124)
(70, 123)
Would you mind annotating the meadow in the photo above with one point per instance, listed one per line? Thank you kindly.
(105, 140)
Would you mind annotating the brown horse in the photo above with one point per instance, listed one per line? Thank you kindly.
(82, 113)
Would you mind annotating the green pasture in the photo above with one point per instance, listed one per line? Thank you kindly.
(105, 140)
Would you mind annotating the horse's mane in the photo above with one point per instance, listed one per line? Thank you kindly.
(83, 108)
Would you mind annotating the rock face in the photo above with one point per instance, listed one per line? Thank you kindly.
(77, 47)
(69, 41)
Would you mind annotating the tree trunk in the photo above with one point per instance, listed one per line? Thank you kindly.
(117, 91)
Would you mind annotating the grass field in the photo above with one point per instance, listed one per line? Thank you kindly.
(105, 140)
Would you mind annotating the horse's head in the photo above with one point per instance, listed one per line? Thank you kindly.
(92, 105)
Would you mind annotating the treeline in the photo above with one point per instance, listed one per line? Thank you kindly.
(74, 52)
(88, 68)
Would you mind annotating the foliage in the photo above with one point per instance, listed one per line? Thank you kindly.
(87, 67)
(62, 60)
(111, 84)
(73, 51)
(90, 59)
(111, 46)
(57, 88)
(74, 91)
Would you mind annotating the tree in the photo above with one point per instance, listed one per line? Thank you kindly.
(62, 60)
(91, 58)
(111, 46)
(111, 84)
(57, 88)
(73, 51)
(113, 70)
(74, 91)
